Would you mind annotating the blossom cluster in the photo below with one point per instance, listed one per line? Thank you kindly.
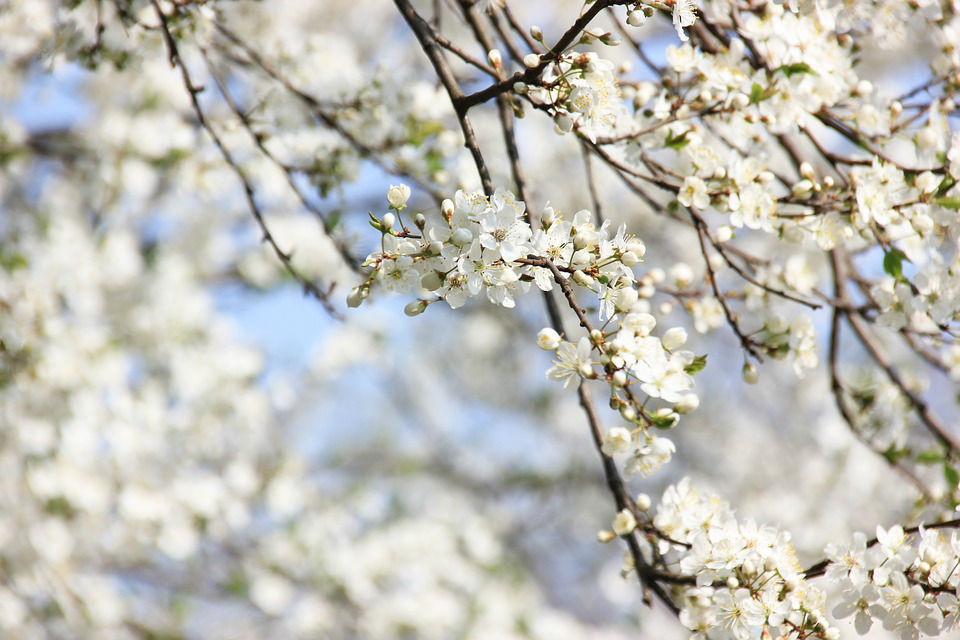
(907, 582)
(583, 91)
(485, 244)
(748, 582)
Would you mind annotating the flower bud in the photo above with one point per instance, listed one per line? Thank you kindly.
(581, 258)
(356, 297)
(446, 208)
(494, 57)
(674, 338)
(582, 279)
(536, 33)
(724, 233)
(643, 502)
(420, 220)
(531, 60)
(629, 259)
(749, 373)
(619, 378)
(922, 223)
(548, 339)
(547, 217)
(415, 308)
(610, 40)
(462, 236)
(626, 298)
(431, 281)
(803, 188)
(387, 221)
(434, 248)
(636, 18)
(564, 123)
(687, 403)
(636, 246)
(397, 196)
(605, 536)
(624, 523)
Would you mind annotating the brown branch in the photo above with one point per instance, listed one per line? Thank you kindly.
(927, 417)
(820, 568)
(317, 107)
(193, 90)
(428, 42)
(838, 269)
(746, 342)
(532, 74)
(258, 140)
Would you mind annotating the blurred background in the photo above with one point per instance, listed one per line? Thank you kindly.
(191, 447)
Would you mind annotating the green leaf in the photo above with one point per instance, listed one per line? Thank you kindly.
(697, 365)
(951, 475)
(756, 93)
(930, 456)
(944, 185)
(949, 202)
(893, 262)
(795, 68)
(332, 220)
(12, 261)
(664, 422)
(677, 142)
(893, 454)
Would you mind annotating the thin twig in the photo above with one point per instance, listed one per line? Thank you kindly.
(193, 90)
